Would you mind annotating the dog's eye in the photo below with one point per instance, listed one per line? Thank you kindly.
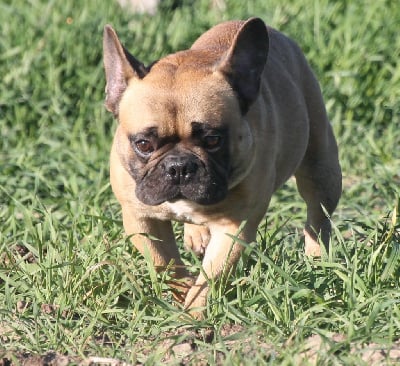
(212, 142)
(144, 147)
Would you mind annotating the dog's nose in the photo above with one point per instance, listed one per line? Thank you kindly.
(180, 170)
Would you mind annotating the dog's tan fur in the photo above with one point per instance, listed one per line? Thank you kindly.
(284, 131)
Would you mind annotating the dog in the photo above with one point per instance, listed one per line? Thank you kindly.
(206, 136)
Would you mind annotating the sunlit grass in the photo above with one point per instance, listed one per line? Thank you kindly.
(69, 279)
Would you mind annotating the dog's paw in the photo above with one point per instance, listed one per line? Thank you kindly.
(196, 238)
(312, 247)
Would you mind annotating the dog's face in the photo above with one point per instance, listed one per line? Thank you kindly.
(182, 130)
(176, 137)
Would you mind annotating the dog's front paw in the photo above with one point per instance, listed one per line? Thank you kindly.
(196, 238)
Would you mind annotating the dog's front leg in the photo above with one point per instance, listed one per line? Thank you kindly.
(220, 258)
(156, 238)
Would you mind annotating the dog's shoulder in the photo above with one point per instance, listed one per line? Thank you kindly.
(284, 50)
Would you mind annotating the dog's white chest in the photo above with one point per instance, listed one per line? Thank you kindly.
(185, 211)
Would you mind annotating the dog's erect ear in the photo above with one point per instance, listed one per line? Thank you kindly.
(119, 66)
(244, 62)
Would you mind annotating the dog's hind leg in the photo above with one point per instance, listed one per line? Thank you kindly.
(319, 181)
(320, 187)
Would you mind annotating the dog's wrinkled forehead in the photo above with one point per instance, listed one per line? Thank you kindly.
(176, 92)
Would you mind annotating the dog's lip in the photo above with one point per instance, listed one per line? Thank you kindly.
(181, 197)
(178, 197)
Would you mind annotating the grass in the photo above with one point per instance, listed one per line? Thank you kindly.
(70, 281)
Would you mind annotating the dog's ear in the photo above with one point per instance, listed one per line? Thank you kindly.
(119, 67)
(244, 62)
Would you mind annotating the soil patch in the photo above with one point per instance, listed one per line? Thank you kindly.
(187, 347)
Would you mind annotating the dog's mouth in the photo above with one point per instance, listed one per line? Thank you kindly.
(183, 177)
(205, 187)
(200, 194)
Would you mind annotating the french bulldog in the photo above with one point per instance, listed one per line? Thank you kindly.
(206, 136)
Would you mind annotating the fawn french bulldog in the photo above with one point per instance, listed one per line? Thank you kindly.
(206, 135)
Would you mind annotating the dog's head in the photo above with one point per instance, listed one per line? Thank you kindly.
(182, 130)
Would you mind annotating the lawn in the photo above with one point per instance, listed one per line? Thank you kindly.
(72, 288)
